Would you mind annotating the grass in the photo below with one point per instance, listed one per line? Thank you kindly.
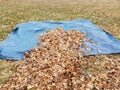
(104, 14)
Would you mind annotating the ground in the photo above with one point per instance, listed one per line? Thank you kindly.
(103, 13)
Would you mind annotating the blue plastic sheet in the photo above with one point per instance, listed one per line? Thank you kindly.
(24, 37)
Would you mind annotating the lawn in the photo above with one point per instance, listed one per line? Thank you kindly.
(102, 13)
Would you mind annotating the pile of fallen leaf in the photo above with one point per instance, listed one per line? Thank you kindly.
(57, 64)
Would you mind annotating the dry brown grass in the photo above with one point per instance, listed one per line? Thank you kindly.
(103, 13)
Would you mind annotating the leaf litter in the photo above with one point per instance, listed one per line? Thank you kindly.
(59, 64)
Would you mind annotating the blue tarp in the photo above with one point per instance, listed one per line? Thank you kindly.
(24, 38)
